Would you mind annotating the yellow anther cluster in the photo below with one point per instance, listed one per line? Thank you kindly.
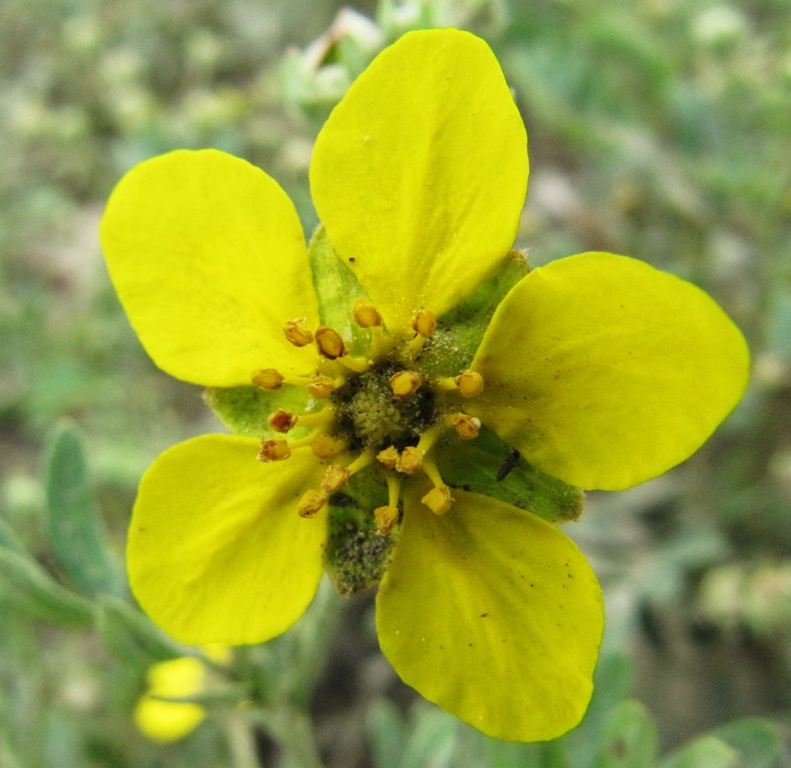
(342, 426)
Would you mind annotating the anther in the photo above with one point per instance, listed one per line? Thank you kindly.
(330, 343)
(366, 315)
(268, 378)
(275, 449)
(335, 477)
(425, 322)
(438, 499)
(467, 427)
(389, 457)
(470, 383)
(322, 386)
(404, 383)
(385, 519)
(296, 332)
(327, 446)
(410, 461)
(282, 421)
(310, 503)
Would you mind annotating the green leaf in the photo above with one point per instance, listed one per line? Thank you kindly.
(77, 536)
(489, 466)
(387, 733)
(24, 583)
(705, 752)
(244, 410)
(630, 739)
(757, 741)
(130, 635)
(452, 346)
(431, 739)
(337, 290)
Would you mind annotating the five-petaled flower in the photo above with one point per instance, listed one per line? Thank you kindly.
(411, 384)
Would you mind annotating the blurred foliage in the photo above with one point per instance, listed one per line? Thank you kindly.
(658, 128)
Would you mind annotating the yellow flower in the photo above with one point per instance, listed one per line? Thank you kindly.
(599, 370)
(162, 720)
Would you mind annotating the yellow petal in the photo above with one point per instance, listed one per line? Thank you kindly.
(209, 260)
(605, 372)
(494, 615)
(420, 173)
(217, 552)
(165, 721)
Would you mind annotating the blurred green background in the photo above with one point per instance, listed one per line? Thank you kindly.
(660, 129)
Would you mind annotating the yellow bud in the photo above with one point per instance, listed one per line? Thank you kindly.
(404, 383)
(330, 343)
(366, 315)
(296, 333)
(267, 378)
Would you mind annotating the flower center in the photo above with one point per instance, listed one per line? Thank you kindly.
(378, 408)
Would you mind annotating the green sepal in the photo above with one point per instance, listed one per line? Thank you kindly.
(78, 539)
(337, 290)
(25, 584)
(630, 739)
(244, 410)
(451, 348)
(706, 752)
(355, 557)
(475, 465)
(130, 635)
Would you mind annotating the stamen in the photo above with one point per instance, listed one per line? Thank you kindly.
(318, 418)
(470, 384)
(410, 462)
(404, 383)
(330, 343)
(356, 364)
(268, 378)
(366, 315)
(387, 517)
(389, 457)
(296, 332)
(425, 322)
(321, 386)
(282, 421)
(467, 427)
(275, 449)
(310, 503)
(335, 477)
(438, 499)
(327, 446)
